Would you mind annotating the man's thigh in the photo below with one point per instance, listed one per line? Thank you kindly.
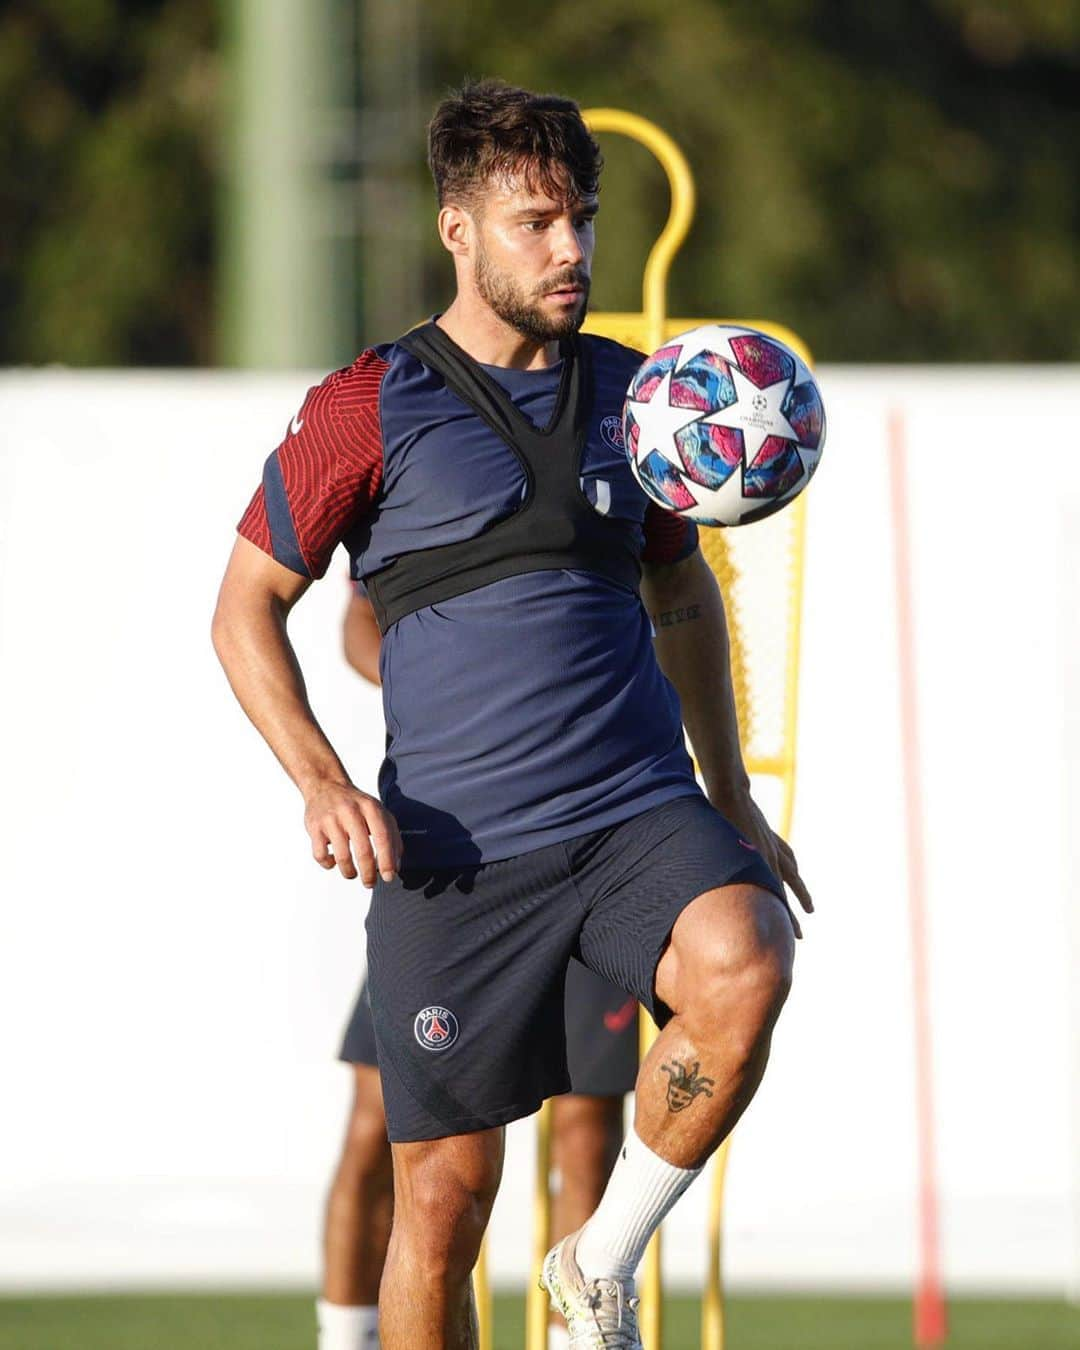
(466, 971)
(639, 877)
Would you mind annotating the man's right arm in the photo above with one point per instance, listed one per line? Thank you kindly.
(251, 640)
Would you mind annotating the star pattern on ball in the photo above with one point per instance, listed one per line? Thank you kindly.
(764, 419)
(724, 425)
(658, 422)
(707, 339)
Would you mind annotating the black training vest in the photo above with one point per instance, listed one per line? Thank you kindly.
(555, 526)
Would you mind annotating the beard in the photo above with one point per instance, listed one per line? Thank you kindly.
(521, 309)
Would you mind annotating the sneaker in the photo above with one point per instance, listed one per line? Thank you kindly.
(600, 1314)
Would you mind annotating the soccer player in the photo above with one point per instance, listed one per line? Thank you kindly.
(537, 800)
(602, 1054)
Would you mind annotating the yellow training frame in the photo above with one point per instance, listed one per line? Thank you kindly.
(647, 330)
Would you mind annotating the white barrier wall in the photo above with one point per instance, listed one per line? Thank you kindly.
(175, 971)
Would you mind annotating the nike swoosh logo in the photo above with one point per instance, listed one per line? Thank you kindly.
(620, 1019)
(296, 424)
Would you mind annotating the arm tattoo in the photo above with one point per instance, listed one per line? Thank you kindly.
(685, 1084)
(668, 617)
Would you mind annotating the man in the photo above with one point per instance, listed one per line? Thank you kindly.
(602, 1054)
(537, 801)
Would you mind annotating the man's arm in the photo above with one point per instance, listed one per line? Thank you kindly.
(361, 639)
(252, 643)
(692, 646)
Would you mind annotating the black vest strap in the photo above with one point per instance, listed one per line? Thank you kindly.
(554, 527)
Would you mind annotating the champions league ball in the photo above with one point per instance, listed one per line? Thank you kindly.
(723, 425)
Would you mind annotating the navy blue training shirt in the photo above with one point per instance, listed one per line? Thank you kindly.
(531, 709)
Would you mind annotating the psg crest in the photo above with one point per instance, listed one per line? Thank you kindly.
(435, 1028)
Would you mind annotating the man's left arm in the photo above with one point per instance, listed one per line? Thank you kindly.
(694, 651)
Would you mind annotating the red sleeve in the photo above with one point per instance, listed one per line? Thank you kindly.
(668, 538)
(326, 473)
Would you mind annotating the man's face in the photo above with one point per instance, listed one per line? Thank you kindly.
(533, 258)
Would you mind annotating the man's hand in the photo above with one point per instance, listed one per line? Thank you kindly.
(350, 829)
(746, 816)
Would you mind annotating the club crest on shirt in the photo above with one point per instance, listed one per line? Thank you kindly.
(612, 432)
(435, 1028)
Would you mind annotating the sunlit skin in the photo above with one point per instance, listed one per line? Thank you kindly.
(518, 248)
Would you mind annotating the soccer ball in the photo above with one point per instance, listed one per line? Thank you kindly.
(723, 425)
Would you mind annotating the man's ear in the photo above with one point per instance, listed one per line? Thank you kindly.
(456, 228)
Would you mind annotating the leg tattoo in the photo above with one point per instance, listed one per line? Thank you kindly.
(685, 1084)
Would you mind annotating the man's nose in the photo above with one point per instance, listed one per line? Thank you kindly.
(567, 250)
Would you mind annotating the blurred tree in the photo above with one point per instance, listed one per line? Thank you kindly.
(896, 180)
(108, 145)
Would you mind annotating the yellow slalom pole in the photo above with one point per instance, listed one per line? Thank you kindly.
(791, 679)
(683, 196)
(536, 1298)
(712, 1302)
(651, 1311)
(713, 1329)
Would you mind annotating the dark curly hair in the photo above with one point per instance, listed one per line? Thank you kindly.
(488, 129)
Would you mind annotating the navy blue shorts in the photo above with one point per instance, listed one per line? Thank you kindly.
(467, 966)
(601, 1034)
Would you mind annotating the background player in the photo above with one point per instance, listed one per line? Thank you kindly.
(536, 781)
(587, 1124)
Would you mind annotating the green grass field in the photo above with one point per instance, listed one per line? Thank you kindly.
(286, 1322)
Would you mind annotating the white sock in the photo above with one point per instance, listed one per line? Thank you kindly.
(641, 1191)
(342, 1328)
(558, 1337)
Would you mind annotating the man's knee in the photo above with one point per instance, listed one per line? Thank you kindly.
(764, 964)
(444, 1190)
(741, 967)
